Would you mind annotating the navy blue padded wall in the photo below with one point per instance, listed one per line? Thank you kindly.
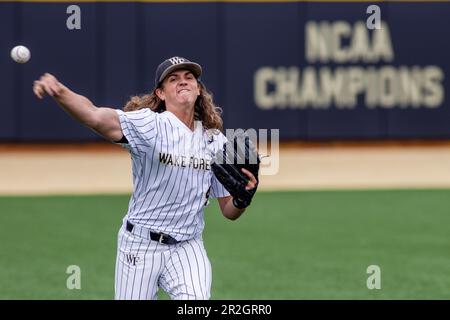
(115, 54)
(68, 54)
(356, 121)
(10, 72)
(187, 30)
(258, 35)
(422, 36)
(118, 54)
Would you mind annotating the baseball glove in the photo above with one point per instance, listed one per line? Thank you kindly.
(239, 152)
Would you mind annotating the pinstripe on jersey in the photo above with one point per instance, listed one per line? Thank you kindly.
(172, 174)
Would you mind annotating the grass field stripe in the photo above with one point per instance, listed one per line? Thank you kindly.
(328, 238)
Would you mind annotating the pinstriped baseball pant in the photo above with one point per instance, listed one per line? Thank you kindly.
(143, 266)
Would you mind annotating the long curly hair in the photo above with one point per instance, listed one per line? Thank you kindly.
(205, 109)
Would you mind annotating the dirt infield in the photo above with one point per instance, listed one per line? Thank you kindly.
(105, 168)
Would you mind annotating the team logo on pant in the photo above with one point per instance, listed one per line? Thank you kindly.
(132, 259)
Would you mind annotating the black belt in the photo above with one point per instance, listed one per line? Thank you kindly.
(160, 237)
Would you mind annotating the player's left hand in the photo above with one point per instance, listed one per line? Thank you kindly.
(252, 180)
(236, 167)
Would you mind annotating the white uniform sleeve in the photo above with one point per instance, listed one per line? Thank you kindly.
(139, 127)
(217, 189)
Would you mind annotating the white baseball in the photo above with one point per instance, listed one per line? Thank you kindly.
(20, 54)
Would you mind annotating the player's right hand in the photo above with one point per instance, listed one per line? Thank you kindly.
(47, 84)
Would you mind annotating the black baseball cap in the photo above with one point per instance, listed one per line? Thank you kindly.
(175, 63)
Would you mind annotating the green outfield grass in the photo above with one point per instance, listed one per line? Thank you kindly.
(288, 245)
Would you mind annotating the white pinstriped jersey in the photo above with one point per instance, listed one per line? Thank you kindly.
(172, 177)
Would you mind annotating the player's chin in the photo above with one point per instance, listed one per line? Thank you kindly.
(186, 99)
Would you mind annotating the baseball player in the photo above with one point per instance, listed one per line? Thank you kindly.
(172, 135)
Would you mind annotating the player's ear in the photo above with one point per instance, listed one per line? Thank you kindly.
(160, 93)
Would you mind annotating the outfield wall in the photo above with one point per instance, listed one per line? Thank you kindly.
(313, 70)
